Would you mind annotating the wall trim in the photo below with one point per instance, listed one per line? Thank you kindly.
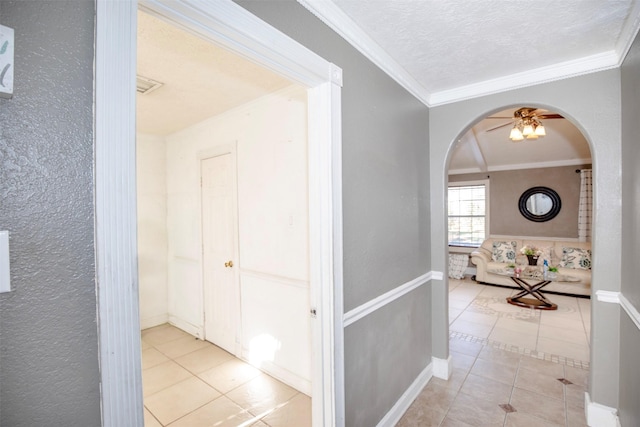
(600, 415)
(442, 368)
(231, 26)
(152, 321)
(329, 13)
(341, 23)
(282, 374)
(619, 298)
(282, 280)
(548, 164)
(369, 307)
(608, 296)
(397, 411)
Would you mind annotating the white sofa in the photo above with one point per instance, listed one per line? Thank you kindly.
(486, 260)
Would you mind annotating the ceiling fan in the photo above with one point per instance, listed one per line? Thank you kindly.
(527, 124)
(524, 113)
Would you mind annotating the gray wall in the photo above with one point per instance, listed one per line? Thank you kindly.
(49, 346)
(386, 216)
(592, 103)
(629, 333)
(506, 187)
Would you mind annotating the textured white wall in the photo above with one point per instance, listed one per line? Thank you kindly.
(152, 229)
(270, 134)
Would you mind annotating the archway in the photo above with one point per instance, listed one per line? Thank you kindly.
(498, 171)
(582, 99)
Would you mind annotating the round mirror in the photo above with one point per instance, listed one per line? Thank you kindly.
(539, 204)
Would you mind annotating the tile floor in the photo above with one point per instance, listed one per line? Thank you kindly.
(481, 311)
(512, 367)
(191, 383)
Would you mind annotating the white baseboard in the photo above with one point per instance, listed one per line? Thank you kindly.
(303, 385)
(393, 416)
(187, 327)
(600, 415)
(442, 368)
(150, 322)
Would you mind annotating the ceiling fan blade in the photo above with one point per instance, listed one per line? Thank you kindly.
(550, 116)
(500, 126)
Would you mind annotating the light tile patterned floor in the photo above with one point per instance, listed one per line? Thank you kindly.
(192, 383)
(480, 312)
(512, 367)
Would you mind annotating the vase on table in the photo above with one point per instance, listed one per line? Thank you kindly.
(533, 259)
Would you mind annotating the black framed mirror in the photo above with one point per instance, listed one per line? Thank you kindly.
(539, 204)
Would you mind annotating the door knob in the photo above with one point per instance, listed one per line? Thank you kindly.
(228, 264)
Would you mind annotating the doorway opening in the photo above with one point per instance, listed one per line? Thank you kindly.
(229, 141)
(506, 169)
(115, 200)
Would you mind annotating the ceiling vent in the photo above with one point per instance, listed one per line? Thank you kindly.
(145, 85)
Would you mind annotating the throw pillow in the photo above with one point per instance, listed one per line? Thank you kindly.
(576, 258)
(504, 252)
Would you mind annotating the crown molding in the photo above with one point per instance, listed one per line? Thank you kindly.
(534, 165)
(329, 13)
(628, 32)
(590, 64)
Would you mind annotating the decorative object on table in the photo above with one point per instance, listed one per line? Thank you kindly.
(552, 273)
(532, 254)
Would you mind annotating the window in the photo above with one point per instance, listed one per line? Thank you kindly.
(468, 213)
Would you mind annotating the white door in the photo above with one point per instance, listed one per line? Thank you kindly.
(219, 247)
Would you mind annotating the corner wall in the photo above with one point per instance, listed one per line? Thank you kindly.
(592, 103)
(49, 372)
(386, 237)
(152, 229)
(629, 409)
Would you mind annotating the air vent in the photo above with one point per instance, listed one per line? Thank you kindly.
(145, 85)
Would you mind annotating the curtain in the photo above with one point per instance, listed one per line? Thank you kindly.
(585, 206)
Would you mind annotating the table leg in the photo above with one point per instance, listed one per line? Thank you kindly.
(540, 302)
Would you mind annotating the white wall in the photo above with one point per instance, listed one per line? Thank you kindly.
(271, 139)
(152, 230)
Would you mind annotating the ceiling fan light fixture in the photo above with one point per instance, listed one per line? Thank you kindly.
(515, 134)
(532, 136)
(540, 130)
(528, 130)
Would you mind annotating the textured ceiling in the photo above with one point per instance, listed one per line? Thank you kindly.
(444, 43)
(200, 79)
(447, 45)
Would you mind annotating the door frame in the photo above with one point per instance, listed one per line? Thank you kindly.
(210, 153)
(229, 25)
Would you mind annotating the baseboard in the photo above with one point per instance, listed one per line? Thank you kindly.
(600, 415)
(393, 416)
(289, 378)
(150, 322)
(442, 368)
(187, 327)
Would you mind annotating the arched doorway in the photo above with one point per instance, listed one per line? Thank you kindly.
(592, 103)
(499, 170)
